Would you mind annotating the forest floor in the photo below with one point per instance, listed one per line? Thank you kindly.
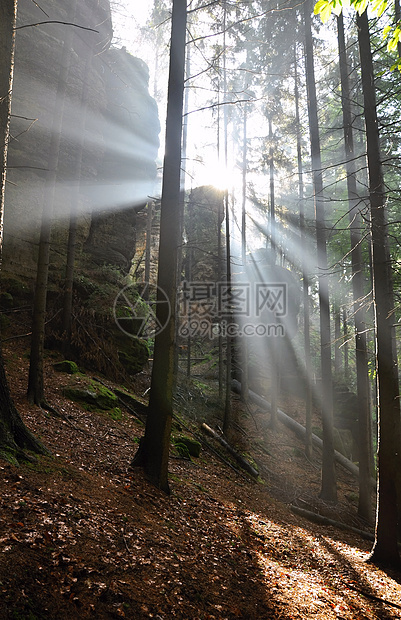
(84, 536)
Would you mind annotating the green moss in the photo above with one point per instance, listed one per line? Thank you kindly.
(9, 456)
(115, 413)
(130, 399)
(187, 446)
(105, 398)
(133, 353)
(94, 396)
(66, 366)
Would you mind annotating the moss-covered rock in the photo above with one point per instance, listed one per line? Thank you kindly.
(131, 400)
(133, 354)
(66, 366)
(187, 445)
(95, 396)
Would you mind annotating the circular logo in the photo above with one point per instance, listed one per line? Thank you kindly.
(141, 310)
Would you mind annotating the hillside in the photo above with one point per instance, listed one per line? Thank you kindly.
(84, 536)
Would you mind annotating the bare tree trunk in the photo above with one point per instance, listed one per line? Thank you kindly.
(337, 336)
(14, 435)
(385, 549)
(305, 277)
(329, 486)
(153, 452)
(182, 206)
(227, 421)
(274, 357)
(148, 247)
(74, 200)
(35, 380)
(244, 341)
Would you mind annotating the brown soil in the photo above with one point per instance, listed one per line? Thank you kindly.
(83, 536)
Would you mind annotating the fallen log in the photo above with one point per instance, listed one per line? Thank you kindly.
(238, 457)
(298, 429)
(316, 518)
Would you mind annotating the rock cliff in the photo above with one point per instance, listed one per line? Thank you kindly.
(84, 142)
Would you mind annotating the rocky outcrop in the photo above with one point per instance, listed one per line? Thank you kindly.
(128, 168)
(69, 81)
(84, 145)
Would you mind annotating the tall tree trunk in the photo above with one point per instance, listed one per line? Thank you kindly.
(74, 200)
(329, 486)
(35, 380)
(397, 15)
(385, 549)
(14, 436)
(148, 247)
(227, 421)
(345, 338)
(244, 341)
(182, 205)
(337, 335)
(305, 276)
(272, 213)
(153, 452)
(274, 364)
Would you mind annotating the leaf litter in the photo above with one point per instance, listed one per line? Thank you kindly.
(83, 536)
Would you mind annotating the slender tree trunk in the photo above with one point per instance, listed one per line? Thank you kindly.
(148, 248)
(305, 277)
(385, 549)
(244, 341)
(329, 487)
(274, 364)
(397, 15)
(337, 336)
(345, 337)
(74, 200)
(272, 213)
(219, 279)
(182, 206)
(153, 452)
(227, 421)
(14, 435)
(35, 380)
(8, 16)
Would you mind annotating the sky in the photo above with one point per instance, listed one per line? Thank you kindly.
(128, 16)
(203, 165)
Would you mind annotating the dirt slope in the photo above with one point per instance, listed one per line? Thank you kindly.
(82, 536)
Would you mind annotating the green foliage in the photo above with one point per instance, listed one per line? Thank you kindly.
(391, 32)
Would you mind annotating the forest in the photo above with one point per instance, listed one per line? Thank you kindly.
(199, 309)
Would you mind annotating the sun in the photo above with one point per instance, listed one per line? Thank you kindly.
(214, 172)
